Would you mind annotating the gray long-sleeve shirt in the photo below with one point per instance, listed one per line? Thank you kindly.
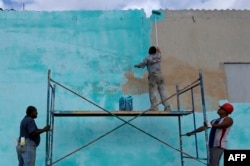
(153, 63)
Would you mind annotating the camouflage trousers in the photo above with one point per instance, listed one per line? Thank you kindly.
(157, 87)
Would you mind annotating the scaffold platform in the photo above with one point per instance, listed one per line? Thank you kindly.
(119, 113)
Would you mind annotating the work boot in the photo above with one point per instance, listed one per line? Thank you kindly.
(153, 109)
(167, 108)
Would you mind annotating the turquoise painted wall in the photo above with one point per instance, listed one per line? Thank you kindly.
(89, 52)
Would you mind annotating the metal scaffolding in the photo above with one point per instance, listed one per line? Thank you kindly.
(52, 113)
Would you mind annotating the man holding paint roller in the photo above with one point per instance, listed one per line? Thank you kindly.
(155, 80)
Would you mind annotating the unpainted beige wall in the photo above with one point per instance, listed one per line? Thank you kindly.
(198, 39)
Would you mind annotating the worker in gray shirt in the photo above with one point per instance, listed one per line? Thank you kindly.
(155, 80)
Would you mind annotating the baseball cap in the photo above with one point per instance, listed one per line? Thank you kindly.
(227, 107)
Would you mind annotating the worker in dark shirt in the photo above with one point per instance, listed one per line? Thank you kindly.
(29, 138)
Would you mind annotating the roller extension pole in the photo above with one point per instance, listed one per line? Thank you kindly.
(156, 33)
(155, 13)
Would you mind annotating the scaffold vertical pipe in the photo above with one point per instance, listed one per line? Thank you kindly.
(52, 121)
(194, 122)
(204, 113)
(179, 122)
(48, 120)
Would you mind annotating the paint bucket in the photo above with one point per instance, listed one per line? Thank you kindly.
(126, 103)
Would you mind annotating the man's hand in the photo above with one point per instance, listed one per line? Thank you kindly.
(158, 50)
(207, 124)
(46, 128)
(137, 66)
(189, 133)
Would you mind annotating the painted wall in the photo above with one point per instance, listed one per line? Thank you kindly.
(93, 53)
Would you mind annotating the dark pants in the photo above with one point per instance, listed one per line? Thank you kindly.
(215, 156)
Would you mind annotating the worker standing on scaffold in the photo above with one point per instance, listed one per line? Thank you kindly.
(155, 80)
